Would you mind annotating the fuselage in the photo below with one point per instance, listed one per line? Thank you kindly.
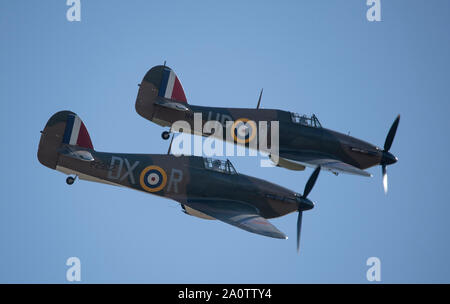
(294, 138)
(181, 179)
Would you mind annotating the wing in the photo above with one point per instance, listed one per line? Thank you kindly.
(285, 163)
(237, 214)
(337, 166)
(325, 162)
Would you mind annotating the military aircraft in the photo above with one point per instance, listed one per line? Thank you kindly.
(206, 188)
(302, 139)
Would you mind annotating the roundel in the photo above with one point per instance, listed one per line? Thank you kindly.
(243, 130)
(153, 178)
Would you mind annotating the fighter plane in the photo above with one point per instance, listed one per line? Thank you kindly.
(206, 188)
(302, 139)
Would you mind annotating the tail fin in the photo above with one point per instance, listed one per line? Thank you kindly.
(160, 82)
(64, 127)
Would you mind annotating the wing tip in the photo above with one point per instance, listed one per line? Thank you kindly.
(279, 235)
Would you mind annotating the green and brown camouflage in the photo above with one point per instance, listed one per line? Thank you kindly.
(206, 188)
(302, 139)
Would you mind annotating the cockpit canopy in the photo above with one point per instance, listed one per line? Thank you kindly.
(223, 166)
(309, 121)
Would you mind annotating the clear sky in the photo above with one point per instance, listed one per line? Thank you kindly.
(320, 57)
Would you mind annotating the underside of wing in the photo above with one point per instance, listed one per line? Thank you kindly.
(237, 214)
(341, 167)
(325, 162)
(285, 163)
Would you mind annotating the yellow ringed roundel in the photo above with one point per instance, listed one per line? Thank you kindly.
(153, 179)
(240, 131)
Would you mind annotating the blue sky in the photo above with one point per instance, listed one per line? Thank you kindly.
(319, 57)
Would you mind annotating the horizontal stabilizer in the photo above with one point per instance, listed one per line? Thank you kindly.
(74, 152)
(172, 105)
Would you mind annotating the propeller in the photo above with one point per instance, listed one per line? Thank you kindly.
(311, 181)
(308, 187)
(385, 178)
(299, 228)
(387, 158)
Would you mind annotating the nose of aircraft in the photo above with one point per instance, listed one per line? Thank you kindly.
(305, 204)
(388, 158)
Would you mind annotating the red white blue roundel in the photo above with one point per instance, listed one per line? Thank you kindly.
(243, 130)
(153, 179)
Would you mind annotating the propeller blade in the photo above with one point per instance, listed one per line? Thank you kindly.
(391, 134)
(299, 229)
(311, 181)
(385, 178)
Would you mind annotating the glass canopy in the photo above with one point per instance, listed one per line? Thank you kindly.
(309, 121)
(224, 166)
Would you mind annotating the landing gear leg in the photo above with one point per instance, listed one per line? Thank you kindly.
(165, 135)
(70, 180)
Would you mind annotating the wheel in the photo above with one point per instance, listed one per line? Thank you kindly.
(70, 180)
(165, 135)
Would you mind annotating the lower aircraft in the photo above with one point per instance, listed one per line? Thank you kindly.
(206, 188)
(302, 139)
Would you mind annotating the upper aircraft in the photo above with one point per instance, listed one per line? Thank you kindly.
(206, 188)
(302, 139)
